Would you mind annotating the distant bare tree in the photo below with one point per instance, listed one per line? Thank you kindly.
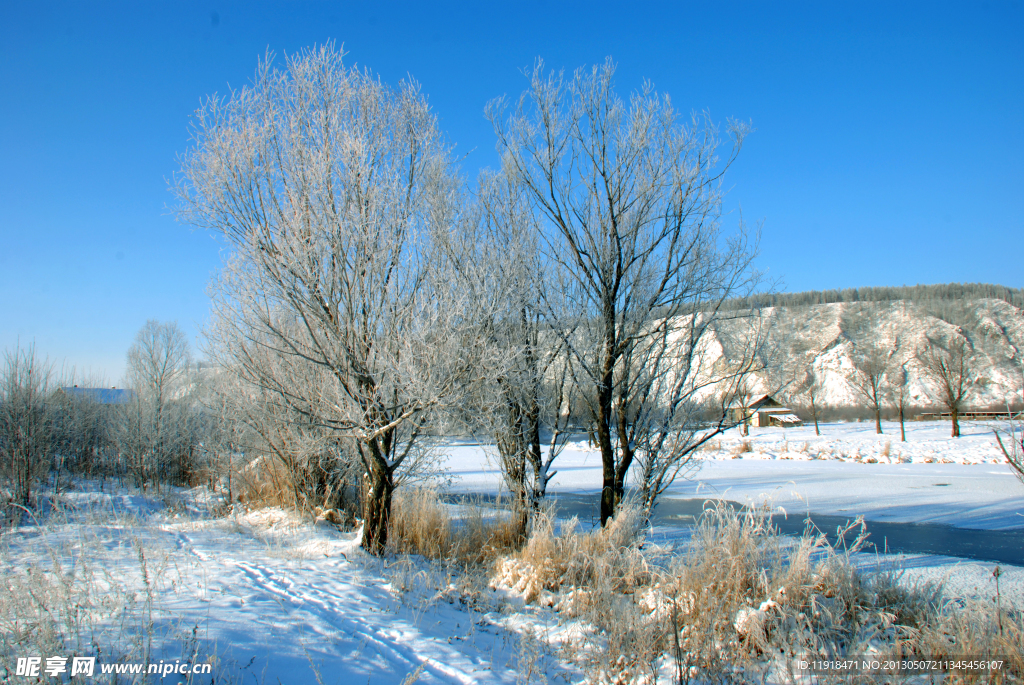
(28, 421)
(950, 368)
(898, 381)
(811, 388)
(333, 190)
(627, 198)
(868, 378)
(153, 430)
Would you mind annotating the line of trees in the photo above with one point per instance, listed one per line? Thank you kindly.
(178, 423)
(943, 292)
(373, 300)
(50, 428)
(881, 379)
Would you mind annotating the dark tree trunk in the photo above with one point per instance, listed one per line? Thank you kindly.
(511, 439)
(878, 420)
(604, 441)
(814, 414)
(377, 510)
(954, 413)
(604, 428)
(625, 456)
(903, 430)
(516, 466)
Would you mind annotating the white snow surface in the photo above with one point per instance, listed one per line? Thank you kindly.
(278, 599)
(282, 600)
(848, 470)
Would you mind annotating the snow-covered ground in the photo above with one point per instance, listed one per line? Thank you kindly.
(848, 470)
(277, 599)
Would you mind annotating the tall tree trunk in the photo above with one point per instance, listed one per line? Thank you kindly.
(954, 413)
(604, 431)
(536, 457)
(24, 492)
(604, 441)
(903, 430)
(511, 438)
(625, 455)
(377, 509)
(878, 420)
(814, 414)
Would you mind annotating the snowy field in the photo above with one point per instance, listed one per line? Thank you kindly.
(848, 470)
(269, 598)
(276, 600)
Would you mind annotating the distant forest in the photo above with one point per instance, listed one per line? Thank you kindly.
(912, 293)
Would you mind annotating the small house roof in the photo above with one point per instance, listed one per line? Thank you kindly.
(757, 402)
(101, 395)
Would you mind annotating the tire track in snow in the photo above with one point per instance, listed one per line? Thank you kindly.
(303, 597)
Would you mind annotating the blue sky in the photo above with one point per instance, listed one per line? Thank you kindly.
(888, 145)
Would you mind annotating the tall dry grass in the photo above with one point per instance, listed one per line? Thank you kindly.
(422, 524)
(742, 603)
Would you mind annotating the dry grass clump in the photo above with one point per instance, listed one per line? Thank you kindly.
(569, 558)
(744, 596)
(47, 611)
(711, 446)
(743, 600)
(265, 483)
(744, 447)
(422, 524)
(597, 577)
(972, 627)
(744, 592)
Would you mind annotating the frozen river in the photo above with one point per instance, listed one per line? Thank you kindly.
(832, 475)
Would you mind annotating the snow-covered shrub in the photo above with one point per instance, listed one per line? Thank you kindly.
(596, 577)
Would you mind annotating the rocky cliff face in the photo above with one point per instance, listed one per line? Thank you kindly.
(827, 340)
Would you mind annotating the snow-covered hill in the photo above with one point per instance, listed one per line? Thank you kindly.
(826, 339)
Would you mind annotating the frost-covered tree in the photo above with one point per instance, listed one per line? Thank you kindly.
(867, 377)
(529, 411)
(627, 196)
(812, 389)
(950, 368)
(28, 421)
(898, 380)
(154, 431)
(332, 190)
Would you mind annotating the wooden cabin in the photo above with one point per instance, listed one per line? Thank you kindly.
(763, 412)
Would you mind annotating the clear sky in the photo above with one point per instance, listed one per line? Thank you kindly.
(888, 147)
